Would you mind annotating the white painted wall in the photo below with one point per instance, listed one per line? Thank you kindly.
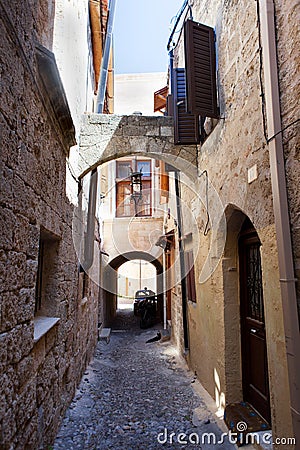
(73, 57)
(135, 275)
(71, 49)
(135, 92)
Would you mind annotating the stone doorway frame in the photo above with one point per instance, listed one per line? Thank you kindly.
(232, 327)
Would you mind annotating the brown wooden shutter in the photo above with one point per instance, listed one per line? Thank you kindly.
(163, 183)
(200, 66)
(186, 126)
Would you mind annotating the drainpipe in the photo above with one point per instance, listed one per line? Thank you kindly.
(89, 237)
(105, 59)
(281, 212)
(164, 287)
(182, 263)
(179, 223)
(171, 65)
(90, 232)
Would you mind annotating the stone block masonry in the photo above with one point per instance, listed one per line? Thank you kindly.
(38, 372)
(107, 137)
(289, 82)
(236, 145)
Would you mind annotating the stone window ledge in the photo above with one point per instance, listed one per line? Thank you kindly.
(42, 325)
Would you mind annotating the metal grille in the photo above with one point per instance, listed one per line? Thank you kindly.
(254, 283)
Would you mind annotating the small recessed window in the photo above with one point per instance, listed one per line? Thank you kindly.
(46, 284)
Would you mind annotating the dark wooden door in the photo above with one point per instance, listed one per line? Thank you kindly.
(170, 260)
(254, 349)
(169, 292)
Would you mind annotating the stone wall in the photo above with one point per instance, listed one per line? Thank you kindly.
(106, 137)
(236, 145)
(126, 235)
(287, 20)
(128, 239)
(39, 370)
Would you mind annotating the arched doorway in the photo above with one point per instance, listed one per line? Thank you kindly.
(111, 281)
(253, 333)
(134, 276)
(246, 369)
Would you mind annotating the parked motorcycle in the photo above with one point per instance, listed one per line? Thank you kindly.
(148, 310)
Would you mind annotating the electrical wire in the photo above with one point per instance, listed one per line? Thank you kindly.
(206, 229)
(78, 181)
(282, 130)
(177, 20)
(72, 172)
(262, 93)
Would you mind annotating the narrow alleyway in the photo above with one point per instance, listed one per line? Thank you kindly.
(131, 393)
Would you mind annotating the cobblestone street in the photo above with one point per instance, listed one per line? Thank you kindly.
(134, 395)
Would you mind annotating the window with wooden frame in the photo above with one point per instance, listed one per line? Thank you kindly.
(125, 205)
(190, 277)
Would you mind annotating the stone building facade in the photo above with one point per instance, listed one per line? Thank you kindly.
(49, 312)
(230, 184)
(236, 156)
(130, 231)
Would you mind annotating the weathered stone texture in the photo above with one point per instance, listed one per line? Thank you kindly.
(104, 138)
(288, 38)
(38, 379)
(235, 145)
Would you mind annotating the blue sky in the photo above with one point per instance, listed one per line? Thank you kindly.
(141, 33)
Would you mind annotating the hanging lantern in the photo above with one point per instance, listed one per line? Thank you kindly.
(136, 184)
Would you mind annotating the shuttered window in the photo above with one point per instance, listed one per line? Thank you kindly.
(200, 66)
(186, 125)
(163, 183)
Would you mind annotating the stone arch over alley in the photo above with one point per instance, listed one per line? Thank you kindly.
(110, 279)
(107, 137)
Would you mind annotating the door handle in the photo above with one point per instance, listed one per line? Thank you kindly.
(253, 330)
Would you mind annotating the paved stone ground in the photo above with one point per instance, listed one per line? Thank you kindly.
(133, 392)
